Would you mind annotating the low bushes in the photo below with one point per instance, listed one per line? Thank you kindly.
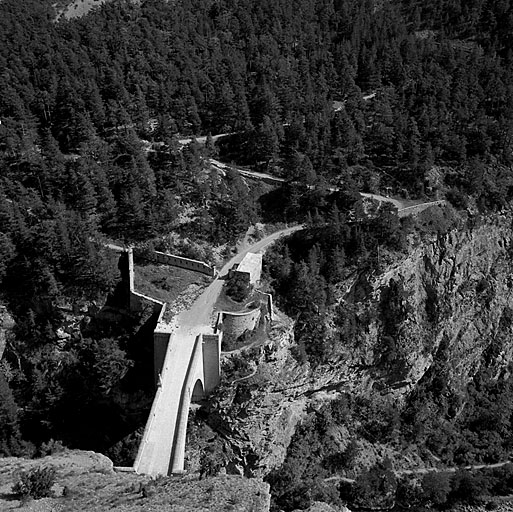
(35, 483)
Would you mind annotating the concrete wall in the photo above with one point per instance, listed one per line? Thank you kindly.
(161, 334)
(138, 300)
(211, 361)
(161, 337)
(131, 275)
(176, 261)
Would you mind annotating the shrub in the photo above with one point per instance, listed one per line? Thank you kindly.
(237, 287)
(468, 487)
(210, 463)
(436, 487)
(457, 198)
(409, 492)
(344, 459)
(10, 436)
(375, 487)
(51, 447)
(35, 483)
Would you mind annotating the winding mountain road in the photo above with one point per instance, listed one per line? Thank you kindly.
(402, 209)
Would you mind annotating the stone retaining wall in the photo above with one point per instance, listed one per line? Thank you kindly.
(176, 261)
(236, 324)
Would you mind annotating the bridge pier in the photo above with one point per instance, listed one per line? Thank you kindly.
(211, 347)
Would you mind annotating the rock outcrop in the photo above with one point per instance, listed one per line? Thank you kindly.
(6, 324)
(88, 481)
(449, 304)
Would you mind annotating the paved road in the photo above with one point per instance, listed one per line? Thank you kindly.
(424, 471)
(201, 311)
(383, 199)
(220, 166)
(114, 247)
(156, 447)
(452, 469)
(202, 139)
(417, 208)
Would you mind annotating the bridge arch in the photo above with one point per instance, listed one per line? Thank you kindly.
(198, 391)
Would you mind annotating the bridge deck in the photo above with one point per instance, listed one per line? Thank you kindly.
(157, 445)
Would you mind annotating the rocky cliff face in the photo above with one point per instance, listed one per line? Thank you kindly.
(6, 324)
(446, 306)
(449, 304)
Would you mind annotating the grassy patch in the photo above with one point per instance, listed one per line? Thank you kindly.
(166, 283)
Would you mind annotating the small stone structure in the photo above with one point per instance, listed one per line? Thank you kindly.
(235, 324)
(250, 268)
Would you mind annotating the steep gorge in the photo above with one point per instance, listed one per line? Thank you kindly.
(442, 311)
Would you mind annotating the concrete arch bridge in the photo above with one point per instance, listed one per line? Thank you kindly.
(187, 362)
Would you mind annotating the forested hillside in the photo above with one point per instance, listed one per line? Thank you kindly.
(412, 97)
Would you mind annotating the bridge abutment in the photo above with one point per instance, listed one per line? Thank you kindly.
(211, 361)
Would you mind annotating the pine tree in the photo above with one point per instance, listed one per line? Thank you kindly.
(266, 142)
(306, 172)
(333, 268)
(10, 437)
